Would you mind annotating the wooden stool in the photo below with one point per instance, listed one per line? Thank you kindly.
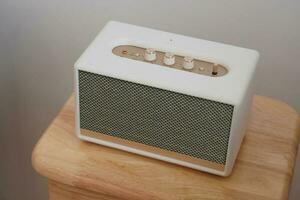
(81, 170)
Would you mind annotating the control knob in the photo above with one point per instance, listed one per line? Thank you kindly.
(150, 55)
(169, 58)
(188, 63)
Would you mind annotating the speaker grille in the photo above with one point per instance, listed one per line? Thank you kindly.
(168, 120)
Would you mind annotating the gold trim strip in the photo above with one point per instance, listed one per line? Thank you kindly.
(151, 149)
(207, 68)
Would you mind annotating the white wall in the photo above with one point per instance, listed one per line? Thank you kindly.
(42, 39)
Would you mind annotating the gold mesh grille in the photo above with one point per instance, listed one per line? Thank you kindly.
(163, 119)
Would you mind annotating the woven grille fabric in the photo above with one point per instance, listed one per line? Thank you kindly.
(160, 118)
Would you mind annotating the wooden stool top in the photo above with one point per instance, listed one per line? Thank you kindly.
(263, 170)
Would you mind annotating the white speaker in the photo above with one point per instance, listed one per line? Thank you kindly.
(166, 96)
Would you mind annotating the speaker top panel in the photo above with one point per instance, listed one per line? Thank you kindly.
(173, 62)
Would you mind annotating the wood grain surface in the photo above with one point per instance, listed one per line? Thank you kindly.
(82, 170)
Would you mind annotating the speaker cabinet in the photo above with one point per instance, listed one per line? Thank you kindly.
(166, 96)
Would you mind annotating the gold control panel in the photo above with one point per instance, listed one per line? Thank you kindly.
(168, 59)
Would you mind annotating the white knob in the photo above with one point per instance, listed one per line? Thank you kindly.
(169, 58)
(150, 55)
(188, 62)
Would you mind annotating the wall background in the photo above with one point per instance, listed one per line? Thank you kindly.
(40, 40)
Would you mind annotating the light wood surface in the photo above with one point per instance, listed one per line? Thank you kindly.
(82, 170)
(59, 191)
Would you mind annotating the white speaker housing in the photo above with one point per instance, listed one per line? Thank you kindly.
(234, 88)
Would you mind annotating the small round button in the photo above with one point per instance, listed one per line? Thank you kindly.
(150, 55)
(188, 63)
(169, 58)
